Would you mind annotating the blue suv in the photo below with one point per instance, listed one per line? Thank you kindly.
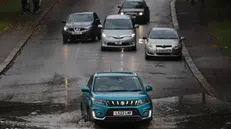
(116, 97)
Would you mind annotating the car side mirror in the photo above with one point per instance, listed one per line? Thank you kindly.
(182, 38)
(85, 89)
(148, 88)
(100, 26)
(63, 22)
(136, 26)
(118, 6)
(145, 38)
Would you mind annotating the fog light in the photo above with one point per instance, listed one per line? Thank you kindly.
(145, 113)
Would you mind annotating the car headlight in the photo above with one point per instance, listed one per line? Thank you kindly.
(98, 101)
(65, 28)
(132, 35)
(140, 13)
(122, 13)
(88, 27)
(177, 46)
(149, 45)
(143, 101)
(104, 35)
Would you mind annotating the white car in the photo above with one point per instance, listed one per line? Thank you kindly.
(163, 42)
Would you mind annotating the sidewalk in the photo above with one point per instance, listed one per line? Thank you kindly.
(13, 39)
(209, 59)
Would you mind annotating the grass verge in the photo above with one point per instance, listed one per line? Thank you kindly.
(221, 31)
(8, 11)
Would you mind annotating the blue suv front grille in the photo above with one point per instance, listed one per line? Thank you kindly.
(122, 102)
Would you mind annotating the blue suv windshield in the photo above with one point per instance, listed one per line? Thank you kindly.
(117, 84)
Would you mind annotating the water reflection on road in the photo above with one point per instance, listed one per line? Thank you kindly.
(185, 112)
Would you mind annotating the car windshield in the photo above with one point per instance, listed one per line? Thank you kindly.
(118, 24)
(134, 4)
(80, 18)
(117, 84)
(163, 34)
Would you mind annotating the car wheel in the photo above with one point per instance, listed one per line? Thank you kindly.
(134, 48)
(93, 38)
(179, 57)
(148, 121)
(89, 115)
(99, 37)
(103, 48)
(82, 112)
(65, 40)
(147, 57)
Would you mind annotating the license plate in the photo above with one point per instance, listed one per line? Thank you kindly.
(78, 32)
(122, 113)
(119, 42)
(164, 50)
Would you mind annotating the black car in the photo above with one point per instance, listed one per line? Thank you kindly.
(137, 9)
(82, 26)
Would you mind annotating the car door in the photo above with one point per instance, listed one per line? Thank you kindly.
(86, 95)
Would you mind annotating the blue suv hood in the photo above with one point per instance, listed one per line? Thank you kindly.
(120, 95)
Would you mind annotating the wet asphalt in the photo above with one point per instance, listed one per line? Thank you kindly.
(42, 88)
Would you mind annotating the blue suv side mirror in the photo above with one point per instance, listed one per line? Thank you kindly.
(85, 89)
(148, 88)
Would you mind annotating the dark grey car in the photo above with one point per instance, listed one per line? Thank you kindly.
(81, 26)
(137, 9)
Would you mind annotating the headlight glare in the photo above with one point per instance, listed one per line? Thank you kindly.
(65, 28)
(104, 35)
(122, 13)
(140, 13)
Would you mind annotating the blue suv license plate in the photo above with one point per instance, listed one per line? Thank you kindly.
(122, 113)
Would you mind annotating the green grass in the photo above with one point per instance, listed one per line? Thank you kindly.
(222, 32)
(8, 11)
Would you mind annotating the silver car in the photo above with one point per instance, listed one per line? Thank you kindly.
(118, 31)
(163, 42)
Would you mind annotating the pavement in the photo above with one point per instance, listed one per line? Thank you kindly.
(209, 59)
(19, 31)
(41, 89)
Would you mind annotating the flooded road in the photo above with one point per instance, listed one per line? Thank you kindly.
(42, 89)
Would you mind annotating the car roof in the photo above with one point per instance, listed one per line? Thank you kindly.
(100, 74)
(118, 16)
(163, 28)
(82, 13)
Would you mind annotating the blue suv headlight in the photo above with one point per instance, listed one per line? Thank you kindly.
(143, 101)
(98, 101)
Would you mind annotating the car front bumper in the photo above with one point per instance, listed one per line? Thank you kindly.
(118, 43)
(105, 113)
(84, 35)
(174, 52)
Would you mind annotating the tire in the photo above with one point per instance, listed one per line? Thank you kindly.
(89, 116)
(148, 121)
(134, 48)
(93, 38)
(65, 40)
(147, 57)
(103, 48)
(179, 57)
(82, 112)
(99, 37)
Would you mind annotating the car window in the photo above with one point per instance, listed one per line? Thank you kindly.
(80, 18)
(89, 84)
(134, 4)
(117, 84)
(118, 24)
(163, 34)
